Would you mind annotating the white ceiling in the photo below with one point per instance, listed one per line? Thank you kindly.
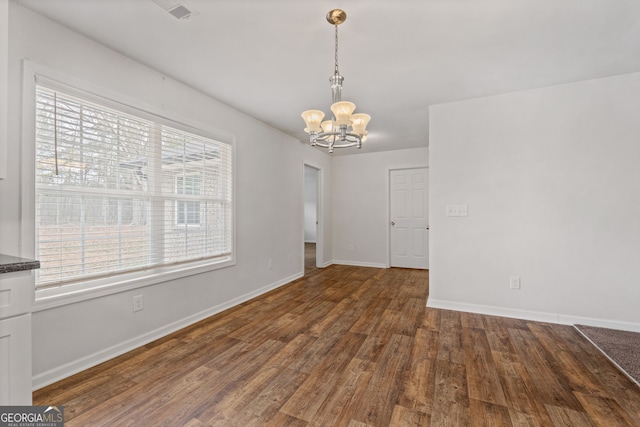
(272, 59)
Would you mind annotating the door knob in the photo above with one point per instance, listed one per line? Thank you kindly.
(393, 223)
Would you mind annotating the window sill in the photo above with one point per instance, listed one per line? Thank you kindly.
(69, 294)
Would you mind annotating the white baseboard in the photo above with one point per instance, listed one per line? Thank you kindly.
(601, 323)
(49, 377)
(493, 311)
(539, 316)
(359, 264)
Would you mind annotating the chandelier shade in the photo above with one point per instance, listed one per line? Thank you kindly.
(327, 126)
(313, 118)
(342, 112)
(360, 122)
(345, 129)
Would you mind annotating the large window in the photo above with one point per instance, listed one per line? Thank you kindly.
(118, 192)
(188, 212)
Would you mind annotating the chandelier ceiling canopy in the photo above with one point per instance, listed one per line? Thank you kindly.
(345, 129)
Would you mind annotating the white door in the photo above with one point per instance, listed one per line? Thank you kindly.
(409, 213)
(312, 208)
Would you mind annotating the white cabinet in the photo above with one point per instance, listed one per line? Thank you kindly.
(17, 291)
(16, 297)
(15, 360)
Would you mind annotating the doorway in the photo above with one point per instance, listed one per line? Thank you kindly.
(312, 253)
(409, 218)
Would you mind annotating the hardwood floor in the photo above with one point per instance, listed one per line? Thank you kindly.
(351, 346)
(309, 257)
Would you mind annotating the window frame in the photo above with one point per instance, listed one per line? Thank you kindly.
(185, 203)
(35, 74)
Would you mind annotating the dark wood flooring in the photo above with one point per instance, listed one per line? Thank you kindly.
(309, 257)
(351, 346)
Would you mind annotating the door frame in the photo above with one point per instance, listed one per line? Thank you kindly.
(319, 213)
(388, 191)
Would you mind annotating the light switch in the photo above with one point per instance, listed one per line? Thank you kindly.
(456, 210)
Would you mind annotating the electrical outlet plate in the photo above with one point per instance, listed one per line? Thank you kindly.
(456, 210)
(514, 282)
(138, 303)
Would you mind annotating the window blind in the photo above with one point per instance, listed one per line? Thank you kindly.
(116, 192)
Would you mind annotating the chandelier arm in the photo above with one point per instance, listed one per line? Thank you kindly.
(323, 136)
(352, 137)
(328, 141)
(345, 145)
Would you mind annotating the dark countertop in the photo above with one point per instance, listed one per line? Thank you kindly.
(9, 264)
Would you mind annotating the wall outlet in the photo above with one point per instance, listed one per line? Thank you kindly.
(456, 210)
(270, 264)
(290, 258)
(350, 247)
(138, 303)
(514, 282)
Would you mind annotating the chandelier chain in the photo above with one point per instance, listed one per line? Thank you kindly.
(336, 72)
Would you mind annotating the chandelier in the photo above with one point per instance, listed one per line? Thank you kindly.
(345, 129)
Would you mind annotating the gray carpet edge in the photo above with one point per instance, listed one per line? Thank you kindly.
(636, 381)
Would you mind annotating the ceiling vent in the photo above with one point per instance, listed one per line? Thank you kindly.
(178, 9)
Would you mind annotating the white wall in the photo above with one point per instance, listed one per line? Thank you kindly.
(4, 54)
(551, 178)
(360, 189)
(269, 184)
